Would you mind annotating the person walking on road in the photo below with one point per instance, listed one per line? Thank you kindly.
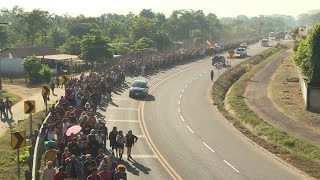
(2, 109)
(57, 81)
(49, 171)
(130, 140)
(8, 106)
(120, 142)
(52, 86)
(212, 75)
(112, 138)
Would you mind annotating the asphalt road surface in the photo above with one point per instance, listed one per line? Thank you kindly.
(195, 138)
(190, 139)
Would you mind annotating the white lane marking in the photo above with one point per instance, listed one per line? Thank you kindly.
(200, 75)
(179, 102)
(190, 82)
(116, 98)
(231, 166)
(119, 120)
(132, 109)
(140, 136)
(186, 86)
(190, 129)
(182, 91)
(180, 96)
(144, 156)
(205, 144)
(195, 78)
(205, 72)
(182, 119)
(179, 110)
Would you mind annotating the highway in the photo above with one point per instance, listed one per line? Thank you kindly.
(190, 138)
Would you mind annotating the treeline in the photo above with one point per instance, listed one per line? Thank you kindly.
(130, 32)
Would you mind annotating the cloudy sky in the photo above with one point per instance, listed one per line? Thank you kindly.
(222, 8)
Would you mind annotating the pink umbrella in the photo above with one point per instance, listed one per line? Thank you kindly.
(73, 130)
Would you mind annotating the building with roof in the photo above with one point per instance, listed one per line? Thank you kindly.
(11, 58)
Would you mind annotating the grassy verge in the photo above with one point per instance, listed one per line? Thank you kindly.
(8, 161)
(13, 97)
(286, 94)
(300, 154)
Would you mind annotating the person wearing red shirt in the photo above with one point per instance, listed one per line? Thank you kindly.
(94, 175)
(61, 175)
(105, 174)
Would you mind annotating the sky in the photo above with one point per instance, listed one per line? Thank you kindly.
(222, 8)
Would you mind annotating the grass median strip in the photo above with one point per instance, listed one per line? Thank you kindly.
(8, 157)
(302, 155)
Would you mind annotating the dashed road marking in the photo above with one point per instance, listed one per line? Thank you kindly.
(182, 91)
(117, 98)
(140, 136)
(179, 102)
(200, 75)
(132, 109)
(231, 166)
(179, 110)
(119, 120)
(186, 86)
(206, 145)
(195, 78)
(182, 119)
(190, 129)
(190, 82)
(180, 96)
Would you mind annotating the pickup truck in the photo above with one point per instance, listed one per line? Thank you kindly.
(218, 58)
(241, 52)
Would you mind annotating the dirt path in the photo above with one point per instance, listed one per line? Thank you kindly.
(23, 92)
(258, 99)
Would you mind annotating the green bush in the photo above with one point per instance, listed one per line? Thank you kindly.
(36, 71)
(46, 73)
(307, 57)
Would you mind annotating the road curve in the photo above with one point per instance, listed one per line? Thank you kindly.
(257, 99)
(196, 140)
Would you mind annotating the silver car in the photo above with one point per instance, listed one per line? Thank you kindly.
(139, 88)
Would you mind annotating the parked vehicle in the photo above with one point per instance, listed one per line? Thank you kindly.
(244, 45)
(265, 42)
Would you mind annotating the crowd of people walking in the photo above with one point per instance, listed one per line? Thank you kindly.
(76, 140)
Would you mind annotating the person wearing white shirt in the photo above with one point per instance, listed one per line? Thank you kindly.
(49, 171)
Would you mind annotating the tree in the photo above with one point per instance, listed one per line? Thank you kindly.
(143, 44)
(71, 46)
(307, 57)
(142, 27)
(46, 73)
(95, 47)
(58, 37)
(4, 36)
(80, 29)
(35, 22)
(32, 65)
(147, 13)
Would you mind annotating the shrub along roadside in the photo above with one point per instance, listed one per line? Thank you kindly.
(8, 160)
(298, 153)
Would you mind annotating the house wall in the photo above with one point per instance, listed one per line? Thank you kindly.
(12, 66)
